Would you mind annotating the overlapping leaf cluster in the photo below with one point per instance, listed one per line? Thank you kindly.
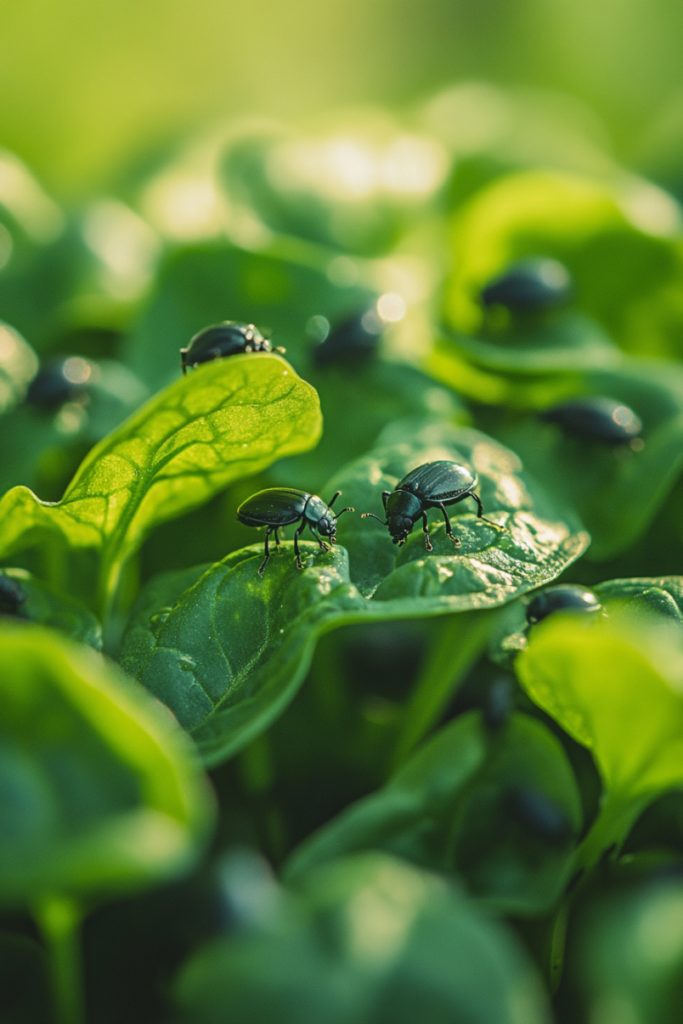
(388, 729)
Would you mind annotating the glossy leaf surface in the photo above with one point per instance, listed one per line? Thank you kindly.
(454, 809)
(98, 789)
(223, 421)
(230, 652)
(365, 940)
(614, 687)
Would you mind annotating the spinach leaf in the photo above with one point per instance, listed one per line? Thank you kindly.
(619, 244)
(44, 605)
(662, 595)
(567, 343)
(100, 792)
(630, 953)
(365, 940)
(227, 419)
(207, 283)
(501, 811)
(614, 686)
(230, 653)
(615, 491)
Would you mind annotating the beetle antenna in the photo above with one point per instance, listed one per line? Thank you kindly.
(334, 498)
(343, 511)
(371, 515)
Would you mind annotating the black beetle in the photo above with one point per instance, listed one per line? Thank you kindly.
(12, 595)
(565, 597)
(529, 286)
(353, 340)
(281, 506)
(595, 418)
(499, 703)
(538, 814)
(432, 485)
(59, 381)
(228, 338)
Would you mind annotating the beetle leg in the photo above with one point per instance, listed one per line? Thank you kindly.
(321, 543)
(297, 534)
(264, 563)
(480, 510)
(385, 495)
(425, 530)
(449, 530)
(277, 539)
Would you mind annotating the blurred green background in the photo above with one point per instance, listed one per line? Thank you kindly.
(88, 88)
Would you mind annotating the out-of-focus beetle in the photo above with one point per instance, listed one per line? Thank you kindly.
(352, 341)
(228, 338)
(499, 703)
(565, 597)
(530, 286)
(12, 595)
(596, 418)
(59, 381)
(538, 814)
(281, 506)
(432, 485)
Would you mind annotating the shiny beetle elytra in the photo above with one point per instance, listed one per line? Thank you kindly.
(282, 506)
(596, 418)
(565, 597)
(228, 338)
(12, 595)
(432, 485)
(529, 286)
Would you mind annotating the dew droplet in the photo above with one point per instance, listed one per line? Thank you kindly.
(187, 663)
(158, 620)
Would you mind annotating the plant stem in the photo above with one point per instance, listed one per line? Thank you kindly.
(459, 643)
(614, 821)
(59, 919)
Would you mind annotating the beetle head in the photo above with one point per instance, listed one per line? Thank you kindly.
(399, 527)
(327, 526)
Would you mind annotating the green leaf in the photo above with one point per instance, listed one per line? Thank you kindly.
(99, 790)
(453, 809)
(566, 343)
(45, 606)
(204, 284)
(630, 954)
(615, 687)
(662, 595)
(367, 938)
(615, 491)
(225, 420)
(490, 565)
(618, 242)
(229, 653)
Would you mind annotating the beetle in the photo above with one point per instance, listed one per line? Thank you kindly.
(228, 338)
(12, 595)
(352, 341)
(281, 506)
(596, 418)
(565, 597)
(432, 485)
(59, 381)
(529, 286)
(538, 814)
